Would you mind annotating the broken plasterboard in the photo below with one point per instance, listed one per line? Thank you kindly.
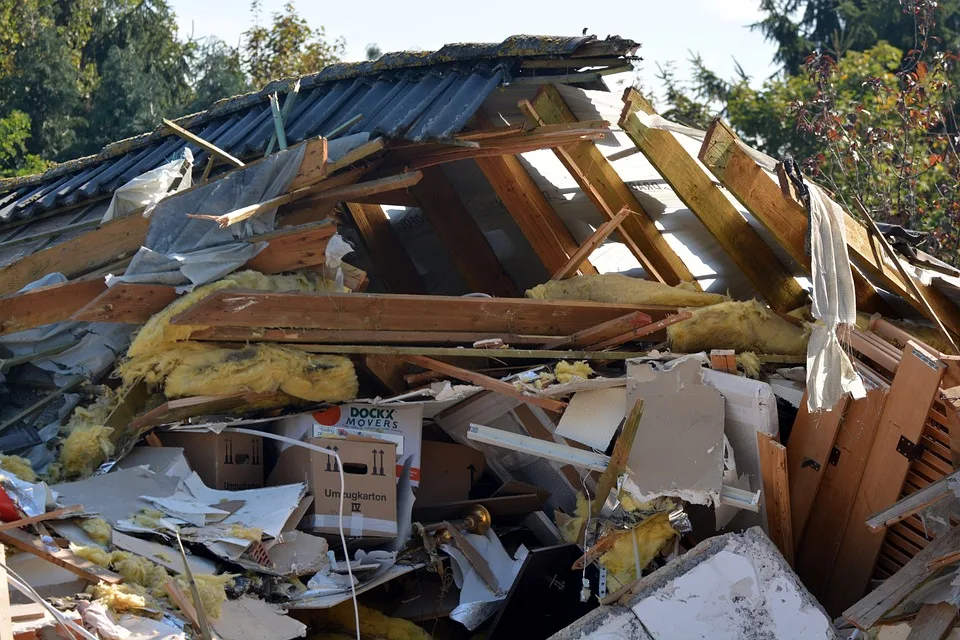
(116, 496)
(169, 461)
(161, 554)
(299, 553)
(248, 617)
(592, 417)
(678, 449)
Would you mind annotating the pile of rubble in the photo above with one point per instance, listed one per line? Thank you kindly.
(355, 356)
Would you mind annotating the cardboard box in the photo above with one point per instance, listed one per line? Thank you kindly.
(365, 420)
(227, 461)
(370, 499)
(449, 472)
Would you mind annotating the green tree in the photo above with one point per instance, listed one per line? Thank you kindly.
(14, 133)
(288, 47)
(217, 73)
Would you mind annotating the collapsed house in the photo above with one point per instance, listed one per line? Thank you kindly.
(464, 342)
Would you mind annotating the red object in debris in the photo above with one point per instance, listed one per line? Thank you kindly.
(8, 509)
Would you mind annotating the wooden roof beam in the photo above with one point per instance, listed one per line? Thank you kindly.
(609, 193)
(698, 192)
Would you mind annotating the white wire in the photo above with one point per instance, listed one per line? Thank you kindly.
(343, 488)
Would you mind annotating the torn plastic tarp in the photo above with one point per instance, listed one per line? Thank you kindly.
(147, 189)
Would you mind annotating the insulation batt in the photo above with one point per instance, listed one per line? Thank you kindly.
(98, 529)
(741, 326)
(617, 288)
(19, 467)
(373, 624)
(162, 354)
(567, 371)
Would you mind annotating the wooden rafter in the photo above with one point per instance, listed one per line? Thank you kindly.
(698, 192)
(609, 193)
(461, 237)
(388, 254)
(581, 254)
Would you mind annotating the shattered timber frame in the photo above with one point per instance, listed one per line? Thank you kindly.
(418, 113)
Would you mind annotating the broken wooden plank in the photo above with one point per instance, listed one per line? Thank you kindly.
(645, 331)
(776, 493)
(742, 243)
(127, 302)
(934, 622)
(590, 244)
(322, 191)
(63, 558)
(313, 167)
(538, 221)
(210, 148)
(183, 408)
(461, 237)
(808, 454)
(393, 263)
(491, 384)
(618, 461)
(46, 305)
(871, 608)
(292, 249)
(609, 193)
(914, 386)
(602, 331)
(49, 515)
(401, 312)
(913, 503)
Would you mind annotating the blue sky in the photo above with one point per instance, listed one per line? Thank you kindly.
(668, 30)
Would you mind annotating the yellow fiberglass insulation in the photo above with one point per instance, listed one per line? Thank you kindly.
(19, 467)
(245, 533)
(750, 364)
(651, 534)
(162, 353)
(84, 448)
(567, 371)
(373, 624)
(98, 529)
(617, 288)
(741, 326)
(212, 589)
(120, 597)
(923, 333)
(149, 518)
(262, 368)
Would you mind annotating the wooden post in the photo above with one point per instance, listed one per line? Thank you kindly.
(776, 493)
(387, 253)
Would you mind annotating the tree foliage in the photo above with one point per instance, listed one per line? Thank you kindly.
(78, 74)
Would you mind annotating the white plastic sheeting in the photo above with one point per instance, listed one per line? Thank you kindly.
(149, 188)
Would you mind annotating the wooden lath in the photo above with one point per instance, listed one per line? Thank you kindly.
(697, 191)
(609, 193)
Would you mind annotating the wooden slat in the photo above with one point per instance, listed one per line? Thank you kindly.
(776, 493)
(210, 148)
(46, 305)
(951, 411)
(828, 517)
(6, 614)
(934, 622)
(336, 336)
(63, 558)
(787, 220)
(741, 242)
(387, 253)
(313, 167)
(870, 609)
(461, 237)
(125, 302)
(183, 408)
(293, 249)
(491, 384)
(454, 352)
(399, 312)
(541, 226)
(808, 450)
(914, 386)
(602, 232)
(49, 515)
(602, 331)
(646, 331)
(601, 183)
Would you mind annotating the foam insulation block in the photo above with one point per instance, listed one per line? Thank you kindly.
(678, 449)
(617, 288)
(741, 326)
(736, 587)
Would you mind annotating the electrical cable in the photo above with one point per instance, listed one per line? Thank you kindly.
(343, 488)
